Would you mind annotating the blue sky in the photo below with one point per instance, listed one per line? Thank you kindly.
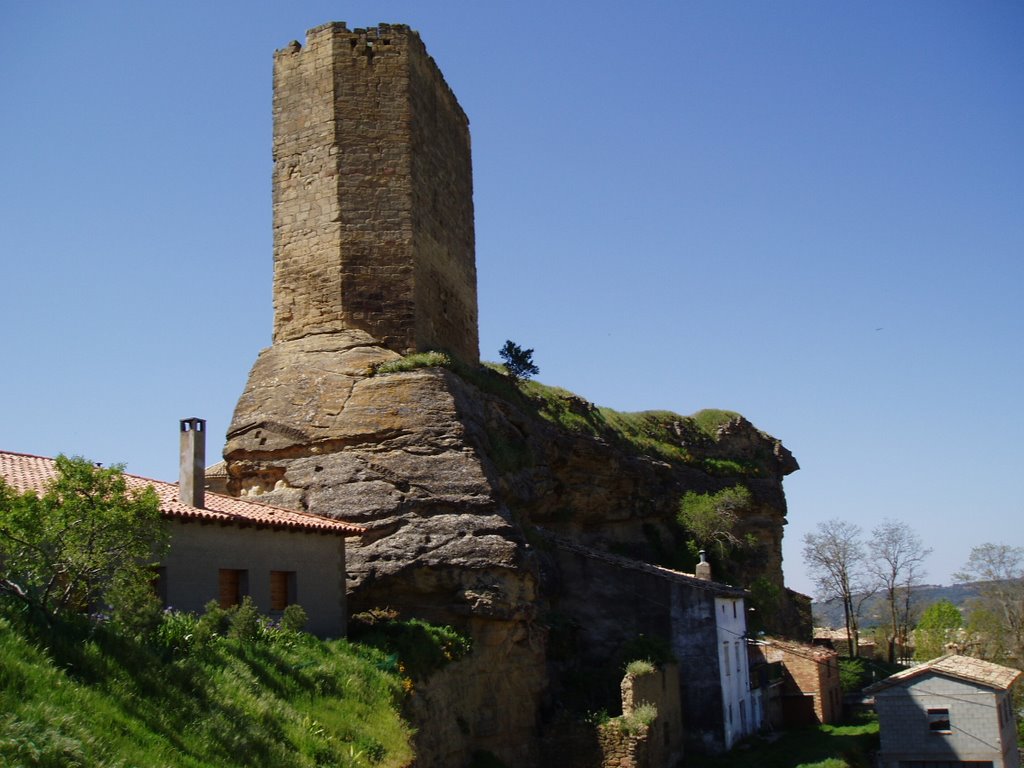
(808, 212)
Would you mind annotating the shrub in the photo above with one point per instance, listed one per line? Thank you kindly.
(294, 618)
(853, 675)
(413, 362)
(639, 668)
(245, 621)
(421, 647)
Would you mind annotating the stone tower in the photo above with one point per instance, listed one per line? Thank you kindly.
(373, 194)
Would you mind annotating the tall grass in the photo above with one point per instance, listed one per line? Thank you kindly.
(80, 695)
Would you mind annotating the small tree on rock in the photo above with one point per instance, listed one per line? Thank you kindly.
(710, 518)
(518, 361)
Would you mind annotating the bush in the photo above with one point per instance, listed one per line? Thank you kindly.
(422, 648)
(294, 618)
(853, 675)
(245, 621)
(413, 362)
(639, 668)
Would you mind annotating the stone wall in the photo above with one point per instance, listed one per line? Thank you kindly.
(811, 674)
(373, 207)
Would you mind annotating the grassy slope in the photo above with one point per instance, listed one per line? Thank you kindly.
(825, 746)
(85, 697)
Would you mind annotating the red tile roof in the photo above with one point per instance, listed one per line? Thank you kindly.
(31, 473)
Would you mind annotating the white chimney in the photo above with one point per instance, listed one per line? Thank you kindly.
(703, 570)
(192, 477)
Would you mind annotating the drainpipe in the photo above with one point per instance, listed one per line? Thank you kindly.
(192, 476)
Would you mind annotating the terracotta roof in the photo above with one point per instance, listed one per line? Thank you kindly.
(953, 665)
(220, 469)
(816, 652)
(31, 473)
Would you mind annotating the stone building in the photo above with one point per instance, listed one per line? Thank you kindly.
(223, 548)
(953, 712)
(614, 600)
(810, 691)
(373, 194)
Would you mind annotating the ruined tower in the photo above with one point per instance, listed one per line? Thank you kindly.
(373, 194)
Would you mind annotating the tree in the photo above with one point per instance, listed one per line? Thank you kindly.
(897, 555)
(87, 543)
(711, 517)
(835, 555)
(936, 627)
(518, 361)
(996, 615)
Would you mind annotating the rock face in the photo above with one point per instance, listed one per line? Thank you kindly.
(452, 473)
(451, 479)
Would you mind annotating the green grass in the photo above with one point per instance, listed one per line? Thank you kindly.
(824, 746)
(413, 362)
(663, 435)
(80, 695)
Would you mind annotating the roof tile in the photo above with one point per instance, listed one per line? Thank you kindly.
(32, 473)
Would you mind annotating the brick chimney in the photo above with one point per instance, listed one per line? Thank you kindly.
(192, 477)
(703, 570)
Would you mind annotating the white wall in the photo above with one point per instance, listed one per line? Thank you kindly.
(738, 711)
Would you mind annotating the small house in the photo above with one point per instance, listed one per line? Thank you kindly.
(223, 548)
(810, 692)
(953, 711)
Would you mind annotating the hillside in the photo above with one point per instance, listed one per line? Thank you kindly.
(830, 613)
(79, 694)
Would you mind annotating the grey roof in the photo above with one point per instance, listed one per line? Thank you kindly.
(960, 667)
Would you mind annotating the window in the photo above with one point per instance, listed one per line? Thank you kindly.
(739, 656)
(233, 585)
(282, 589)
(727, 665)
(734, 609)
(938, 720)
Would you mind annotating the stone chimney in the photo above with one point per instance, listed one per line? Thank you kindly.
(703, 570)
(192, 477)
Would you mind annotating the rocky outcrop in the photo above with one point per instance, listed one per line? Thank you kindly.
(450, 475)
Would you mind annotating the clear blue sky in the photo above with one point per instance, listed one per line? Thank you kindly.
(808, 212)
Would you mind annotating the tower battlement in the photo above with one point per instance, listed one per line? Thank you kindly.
(373, 193)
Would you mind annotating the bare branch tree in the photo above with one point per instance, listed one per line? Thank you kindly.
(835, 555)
(997, 614)
(896, 561)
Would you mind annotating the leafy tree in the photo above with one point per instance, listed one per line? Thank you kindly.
(835, 555)
(518, 361)
(936, 627)
(896, 561)
(710, 518)
(996, 616)
(87, 543)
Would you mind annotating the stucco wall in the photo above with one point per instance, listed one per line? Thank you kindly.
(198, 551)
(738, 714)
(975, 732)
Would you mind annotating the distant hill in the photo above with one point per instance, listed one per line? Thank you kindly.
(875, 610)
